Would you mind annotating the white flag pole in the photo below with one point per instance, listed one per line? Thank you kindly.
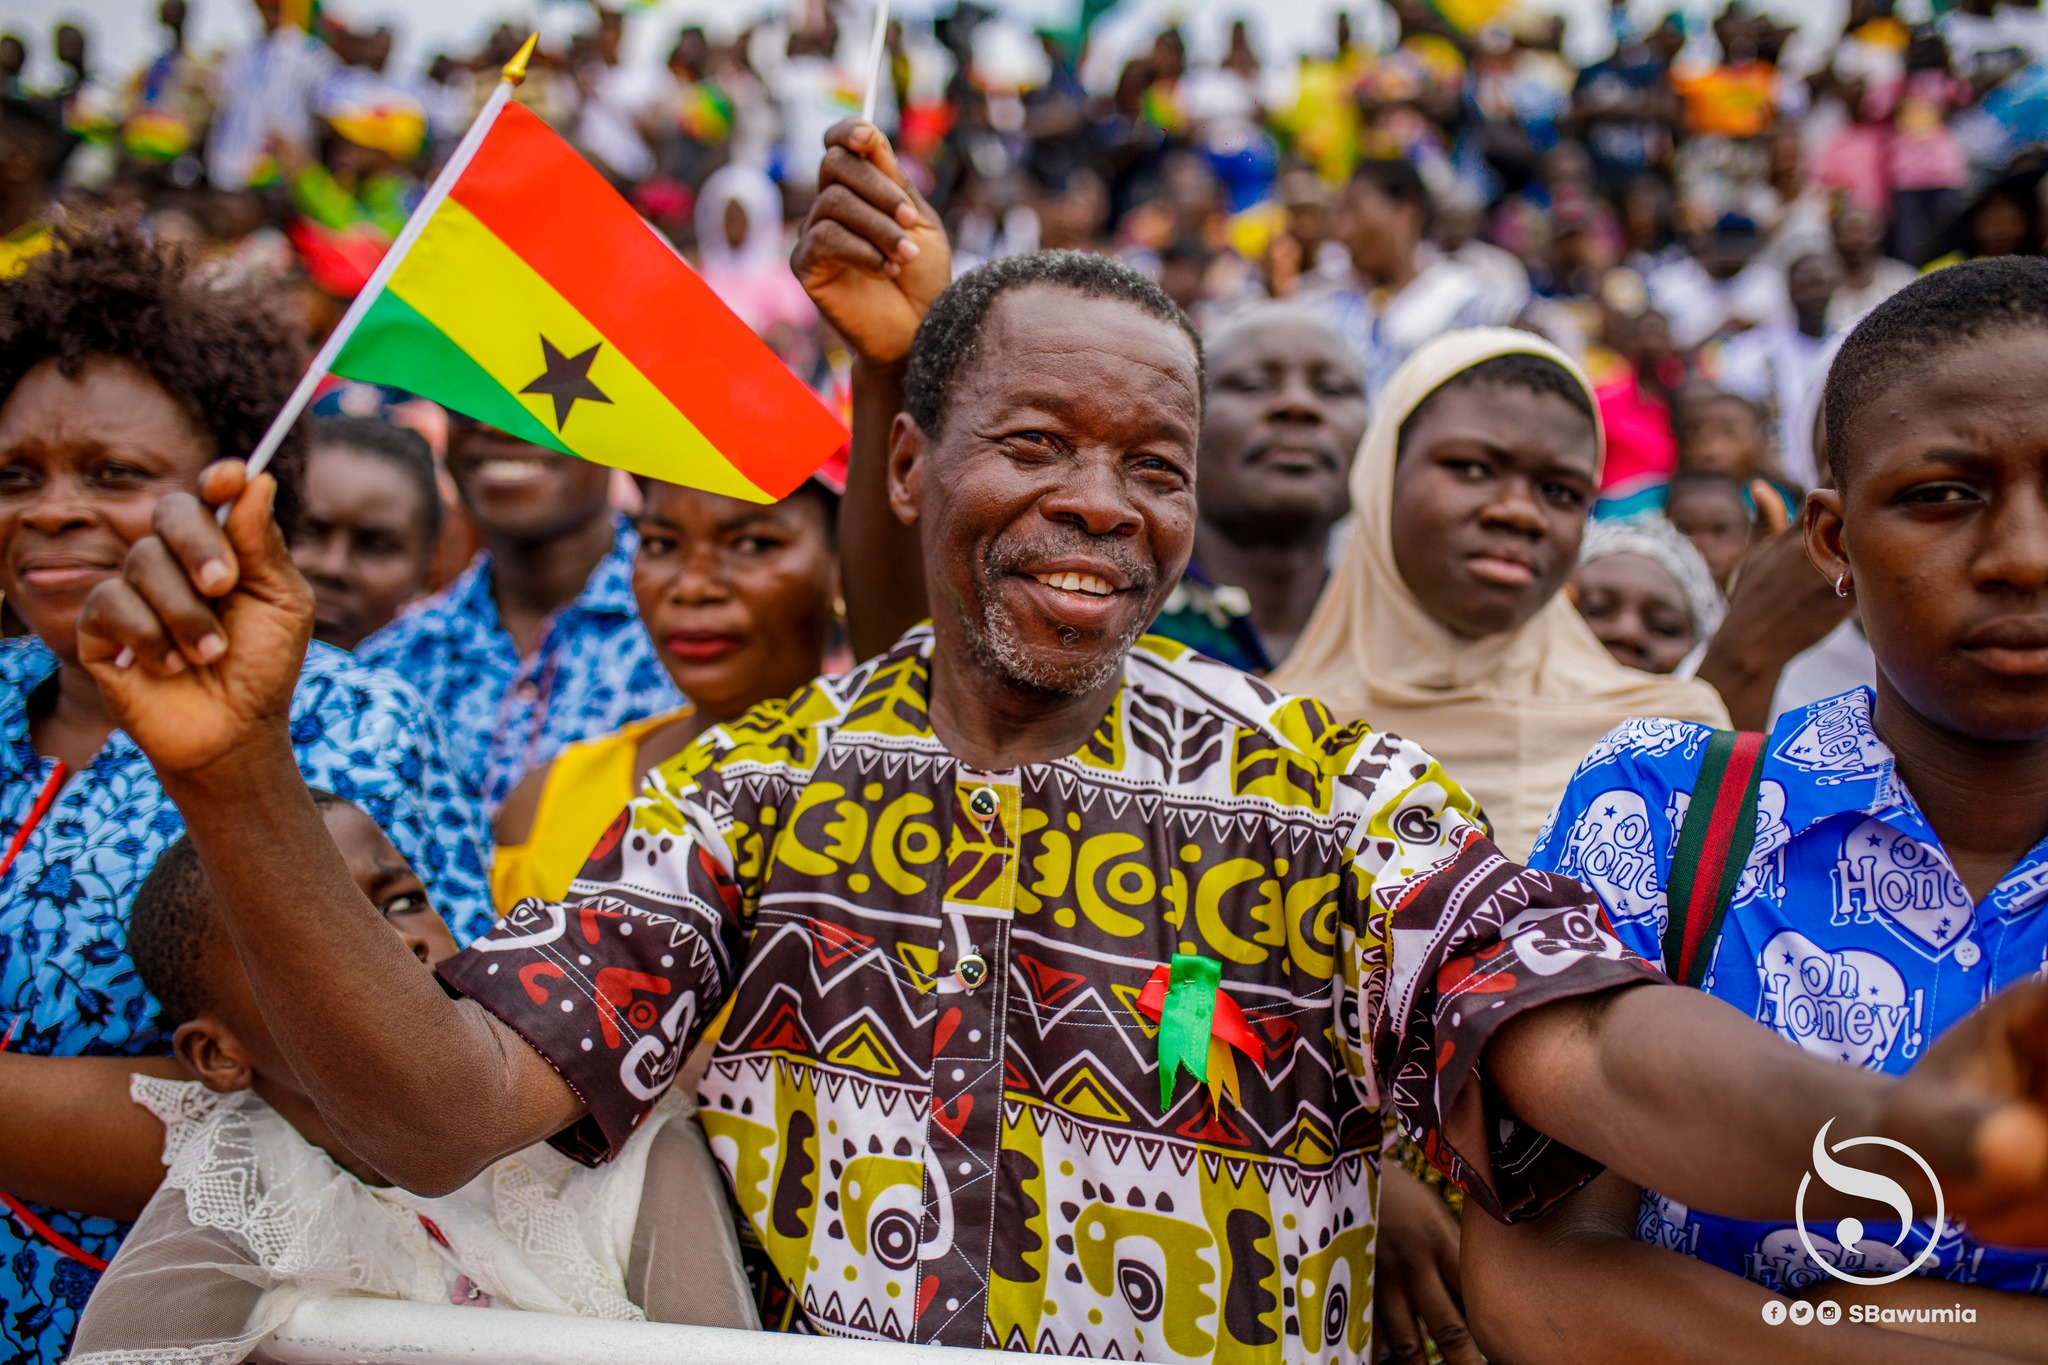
(511, 76)
(874, 68)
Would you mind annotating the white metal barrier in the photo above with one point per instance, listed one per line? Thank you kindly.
(344, 1331)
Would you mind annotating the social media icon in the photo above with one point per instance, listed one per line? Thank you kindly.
(1802, 1312)
(1774, 1313)
(1827, 1312)
(1863, 1184)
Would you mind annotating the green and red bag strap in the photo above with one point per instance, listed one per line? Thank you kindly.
(1713, 848)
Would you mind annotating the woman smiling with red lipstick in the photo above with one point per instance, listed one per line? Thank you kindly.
(739, 601)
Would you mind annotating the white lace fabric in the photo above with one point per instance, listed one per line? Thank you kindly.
(252, 1218)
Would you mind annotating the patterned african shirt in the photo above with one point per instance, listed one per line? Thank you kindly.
(66, 985)
(1849, 934)
(932, 1153)
(594, 670)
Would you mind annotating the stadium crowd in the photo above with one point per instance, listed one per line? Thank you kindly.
(1216, 417)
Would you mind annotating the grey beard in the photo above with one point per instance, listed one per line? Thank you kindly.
(993, 640)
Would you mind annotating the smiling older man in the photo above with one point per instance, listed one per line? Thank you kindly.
(978, 903)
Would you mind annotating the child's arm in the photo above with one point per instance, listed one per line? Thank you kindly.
(2014, 1323)
(1576, 1288)
(70, 1138)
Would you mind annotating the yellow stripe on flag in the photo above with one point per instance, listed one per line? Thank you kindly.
(462, 278)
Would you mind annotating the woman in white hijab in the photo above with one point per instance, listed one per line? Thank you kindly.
(741, 253)
(1443, 621)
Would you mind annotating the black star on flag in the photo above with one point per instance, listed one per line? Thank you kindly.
(566, 379)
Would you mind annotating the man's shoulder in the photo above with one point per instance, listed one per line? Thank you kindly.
(784, 737)
(1165, 676)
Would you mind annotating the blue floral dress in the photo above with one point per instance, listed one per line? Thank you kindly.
(594, 670)
(66, 985)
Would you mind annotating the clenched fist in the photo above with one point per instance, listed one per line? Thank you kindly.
(198, 643)
(871, 254)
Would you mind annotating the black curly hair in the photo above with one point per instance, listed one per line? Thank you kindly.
(950, 335)
(228, 356)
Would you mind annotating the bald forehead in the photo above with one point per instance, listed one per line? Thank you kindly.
(1277, 328)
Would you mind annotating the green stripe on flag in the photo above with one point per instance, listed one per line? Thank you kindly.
(397, 346)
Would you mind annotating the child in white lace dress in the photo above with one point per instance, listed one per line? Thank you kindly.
(261, 1206)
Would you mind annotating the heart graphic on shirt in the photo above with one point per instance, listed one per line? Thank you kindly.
(1889, 876)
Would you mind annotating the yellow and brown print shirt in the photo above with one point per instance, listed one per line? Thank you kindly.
(937, 1099)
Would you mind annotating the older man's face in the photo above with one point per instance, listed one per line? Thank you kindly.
(1057, 504)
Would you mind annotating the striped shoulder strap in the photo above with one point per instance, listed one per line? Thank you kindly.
(1713, 847)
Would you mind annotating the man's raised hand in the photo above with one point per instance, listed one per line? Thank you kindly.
(198, 643)
(871, 253)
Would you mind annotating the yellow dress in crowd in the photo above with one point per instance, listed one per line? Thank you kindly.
(587, 785)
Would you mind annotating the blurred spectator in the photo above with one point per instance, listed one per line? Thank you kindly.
(1647, 594)
(32, 146)
(1780, 365)
(1635, 412)
(171, 103)
(1712, 512)
(1868, 277)
(370, 515)
(1395, 301)
(1285, 412)
(267, 96)
(741, 252)
(13, 57)
(1721, 289)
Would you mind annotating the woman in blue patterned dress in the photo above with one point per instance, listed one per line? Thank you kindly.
(123, 373)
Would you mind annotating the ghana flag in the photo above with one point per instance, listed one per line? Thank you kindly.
(529, 295)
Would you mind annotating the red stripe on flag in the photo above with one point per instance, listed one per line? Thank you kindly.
(560, 216)
(1721, 830)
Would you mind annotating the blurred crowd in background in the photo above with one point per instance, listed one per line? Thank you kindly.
(1694, 216)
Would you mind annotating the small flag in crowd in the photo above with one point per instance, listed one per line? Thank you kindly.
(526, 293)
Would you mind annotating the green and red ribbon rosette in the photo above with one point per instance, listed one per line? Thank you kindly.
(1199, 1024)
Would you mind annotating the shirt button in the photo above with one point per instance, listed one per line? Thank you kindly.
(1967, 954)
(983, 803)
(971, 970)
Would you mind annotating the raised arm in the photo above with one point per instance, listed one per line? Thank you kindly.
(873, 255)
(70, 1137)
(1575, 1287)
(197, 648)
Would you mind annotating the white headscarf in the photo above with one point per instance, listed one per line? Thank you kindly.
(1658, 541)
(753, 278)
(756, 194)
(1509, 716)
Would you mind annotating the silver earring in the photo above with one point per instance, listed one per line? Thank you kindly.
(1841, 585)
